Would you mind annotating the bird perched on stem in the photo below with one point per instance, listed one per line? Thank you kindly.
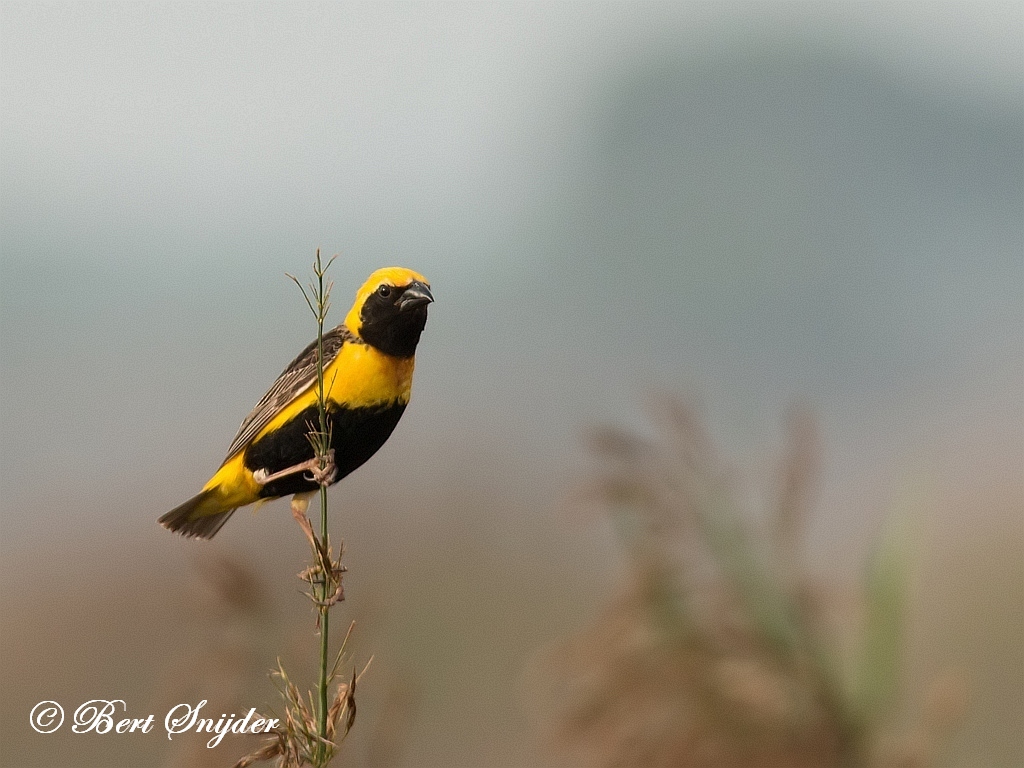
(368, 365)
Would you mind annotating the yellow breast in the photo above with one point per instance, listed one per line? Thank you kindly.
(358, 377)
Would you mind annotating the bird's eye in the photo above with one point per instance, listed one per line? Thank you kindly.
(384, 291)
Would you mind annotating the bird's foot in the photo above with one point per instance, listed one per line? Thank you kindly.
(325, 475)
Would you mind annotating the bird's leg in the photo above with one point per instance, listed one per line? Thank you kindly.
(320, 476)
(326, 571)
(300, 503)
(263, 477)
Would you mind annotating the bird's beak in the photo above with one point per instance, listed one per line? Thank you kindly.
(416, 295)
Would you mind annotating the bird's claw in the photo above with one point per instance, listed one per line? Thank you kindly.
(324, 475)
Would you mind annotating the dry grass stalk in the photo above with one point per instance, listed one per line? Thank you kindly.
(297, 742)
(315, 724)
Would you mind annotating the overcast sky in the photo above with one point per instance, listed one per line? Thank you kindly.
(164, 165)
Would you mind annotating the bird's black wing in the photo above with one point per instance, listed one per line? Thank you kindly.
(299, 376)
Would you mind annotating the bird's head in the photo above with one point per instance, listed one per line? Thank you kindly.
(390, 310)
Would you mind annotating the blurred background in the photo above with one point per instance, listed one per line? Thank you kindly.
(743, 205)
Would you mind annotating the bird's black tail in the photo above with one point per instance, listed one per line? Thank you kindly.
(200, 517)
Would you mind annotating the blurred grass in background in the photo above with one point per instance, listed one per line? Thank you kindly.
(721, 649)
(698, 636)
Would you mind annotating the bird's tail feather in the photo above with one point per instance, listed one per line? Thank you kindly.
(200, 517)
